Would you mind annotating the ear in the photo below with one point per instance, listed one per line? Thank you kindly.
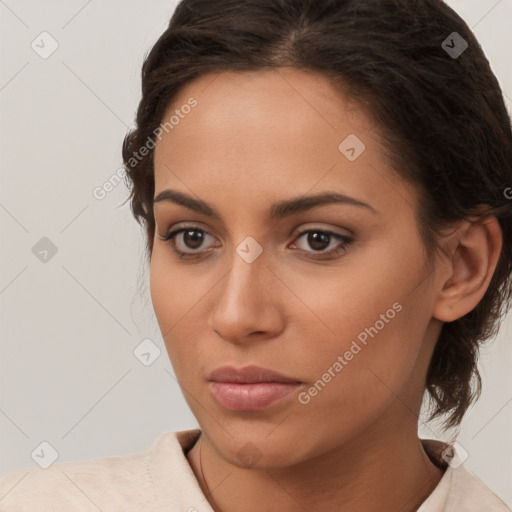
(474, 251)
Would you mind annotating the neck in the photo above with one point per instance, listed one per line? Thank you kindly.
(373, 473)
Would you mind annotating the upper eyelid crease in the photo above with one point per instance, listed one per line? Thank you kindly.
(280, 209)
(344, 240)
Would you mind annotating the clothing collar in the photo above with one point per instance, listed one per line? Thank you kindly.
(175, 446)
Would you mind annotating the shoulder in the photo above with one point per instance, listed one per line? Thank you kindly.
(112, 483)
(459, 490)
(467, 493)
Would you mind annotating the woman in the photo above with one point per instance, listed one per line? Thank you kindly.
(323, 186)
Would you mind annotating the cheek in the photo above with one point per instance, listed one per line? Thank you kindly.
(163, 283)
(169, 295)
(175, 292)
(355, 383)
(376, 332)
(178, 301)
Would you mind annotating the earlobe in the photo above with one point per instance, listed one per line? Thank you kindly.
(475, 249)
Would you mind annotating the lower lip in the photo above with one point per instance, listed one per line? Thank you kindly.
(250, 397)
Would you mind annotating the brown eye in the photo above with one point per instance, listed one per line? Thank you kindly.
(187, 241)
(193, 238)
(319, 240)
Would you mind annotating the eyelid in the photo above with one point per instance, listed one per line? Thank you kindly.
(345, 240)
(177, 229)
(310, 226)
(298, 231)
(185, 225)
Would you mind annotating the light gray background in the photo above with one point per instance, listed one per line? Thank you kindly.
(69, 326)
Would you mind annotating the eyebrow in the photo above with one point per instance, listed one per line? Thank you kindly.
(279, 210)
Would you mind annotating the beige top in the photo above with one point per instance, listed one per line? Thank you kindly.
(161, 479)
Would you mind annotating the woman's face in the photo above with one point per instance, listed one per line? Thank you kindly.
(335, 297)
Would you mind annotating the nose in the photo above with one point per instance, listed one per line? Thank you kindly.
(247, 304)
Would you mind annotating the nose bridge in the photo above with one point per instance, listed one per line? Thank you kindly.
(248, 256)
(244, 280)
(241, 305)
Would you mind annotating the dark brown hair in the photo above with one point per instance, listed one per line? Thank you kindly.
(443, 118)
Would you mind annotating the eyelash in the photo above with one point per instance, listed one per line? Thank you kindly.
(346, 241)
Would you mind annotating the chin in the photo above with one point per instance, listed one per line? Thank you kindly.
(261, 447)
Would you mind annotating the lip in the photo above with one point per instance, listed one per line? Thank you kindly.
(249, 388)
(249, 375)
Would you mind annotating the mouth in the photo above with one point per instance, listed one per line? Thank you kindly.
(249, 388)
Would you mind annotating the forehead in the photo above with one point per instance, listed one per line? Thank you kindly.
(287, 103)
(258, 132)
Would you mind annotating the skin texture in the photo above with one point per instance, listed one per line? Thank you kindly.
(259, 137)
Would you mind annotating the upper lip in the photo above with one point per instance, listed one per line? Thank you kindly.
(248, 375)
